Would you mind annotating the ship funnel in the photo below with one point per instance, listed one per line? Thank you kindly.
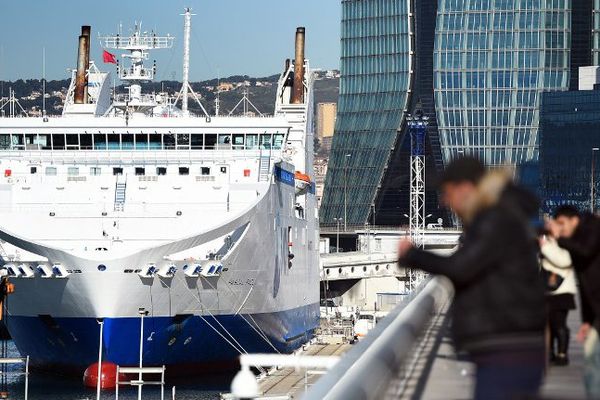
(298, 90)
(83, 62)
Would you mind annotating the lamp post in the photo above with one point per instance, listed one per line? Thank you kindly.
(99, 383)
(143, 313)
(346, 190)
(337, 240)
(593, 182)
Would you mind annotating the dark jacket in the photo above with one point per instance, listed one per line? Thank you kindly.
(584, 247)
(499, 296)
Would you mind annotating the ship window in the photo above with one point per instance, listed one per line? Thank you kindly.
(169, 141)
(58, 142)
(100, 141)
(117, 171)
(85, 142)
(33, 170)
(31, 142)
(277, 141)
(251, 142)
(140, 171)
(43, 142)
(205, 170)
(224, 141)
(114, 141)
(265, 141)
(126, 141)
(183, 141)
(4, 142)
(223, 170)
(238, 142)
(51, 171)
(210, 141)
(72, 142)
(197, 141)
(18, 142)
(161, 170)
(141, 141)
(155, 142)
(95, 171)
(184, 171)
(73, 171)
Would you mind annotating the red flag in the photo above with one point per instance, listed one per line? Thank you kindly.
(109, 58)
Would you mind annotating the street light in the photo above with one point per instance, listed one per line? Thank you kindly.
(142, 312)
(337, 241)
(593, 182)
(346, 190)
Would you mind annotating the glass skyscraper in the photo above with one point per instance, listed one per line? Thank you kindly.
(375, 68)
(596, 33)
(568, 136)
(493, 59)
(476, 68)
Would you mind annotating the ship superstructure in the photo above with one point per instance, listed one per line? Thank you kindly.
(129, 206)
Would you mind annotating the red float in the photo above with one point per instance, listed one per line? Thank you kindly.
(108, 373)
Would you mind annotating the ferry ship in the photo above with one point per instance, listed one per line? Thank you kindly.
(194, 234)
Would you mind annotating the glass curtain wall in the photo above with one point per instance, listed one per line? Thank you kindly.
(596, 33)
(492, 61)
(375, 78)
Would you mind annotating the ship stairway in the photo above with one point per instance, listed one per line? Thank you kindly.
(264, 168)
(120, 190)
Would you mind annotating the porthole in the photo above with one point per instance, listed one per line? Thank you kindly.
(101, 267)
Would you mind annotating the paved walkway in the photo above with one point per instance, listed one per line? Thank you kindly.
(440, 375)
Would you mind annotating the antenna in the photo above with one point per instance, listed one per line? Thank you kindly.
(44, 83)
(186, 87)
(186, 59)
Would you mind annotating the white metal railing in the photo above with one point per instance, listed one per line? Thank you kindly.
(20, 360)
(118, 157)
(371, 365)
(135, 42)
(141, 371)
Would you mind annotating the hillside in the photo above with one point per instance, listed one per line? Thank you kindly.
(261, 92)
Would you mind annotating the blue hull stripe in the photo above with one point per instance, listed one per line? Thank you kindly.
(72, 343)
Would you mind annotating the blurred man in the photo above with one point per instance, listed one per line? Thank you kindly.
(580, 235)
(498, 314)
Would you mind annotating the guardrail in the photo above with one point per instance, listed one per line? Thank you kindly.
(366, 371)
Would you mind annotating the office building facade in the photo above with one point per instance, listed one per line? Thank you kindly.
(569, 143)
(477, 69)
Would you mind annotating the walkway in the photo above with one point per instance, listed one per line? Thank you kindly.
(440, 375)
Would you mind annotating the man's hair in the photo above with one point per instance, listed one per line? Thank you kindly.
(463, 169)
(566, 210)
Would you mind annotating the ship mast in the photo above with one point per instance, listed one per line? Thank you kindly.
(186, 88)
(186, 59)
(139, 44)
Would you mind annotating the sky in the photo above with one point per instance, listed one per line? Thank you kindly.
(229, 37)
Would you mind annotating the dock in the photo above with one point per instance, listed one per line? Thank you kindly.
(289, 383)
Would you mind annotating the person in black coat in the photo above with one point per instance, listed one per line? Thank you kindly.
(498, 315)
(579, 233)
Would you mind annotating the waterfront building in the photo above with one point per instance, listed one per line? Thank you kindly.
(568, 138)
(326, 114)
(477, 70)
(384, 76)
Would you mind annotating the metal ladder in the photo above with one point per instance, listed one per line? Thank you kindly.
(120, 190)
(264, 168)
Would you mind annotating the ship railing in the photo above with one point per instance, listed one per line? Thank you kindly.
(149, 157)
(144, 210)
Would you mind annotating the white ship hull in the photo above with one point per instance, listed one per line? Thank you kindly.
(206, 226)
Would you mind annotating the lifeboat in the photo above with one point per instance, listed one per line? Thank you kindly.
(302, 182)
